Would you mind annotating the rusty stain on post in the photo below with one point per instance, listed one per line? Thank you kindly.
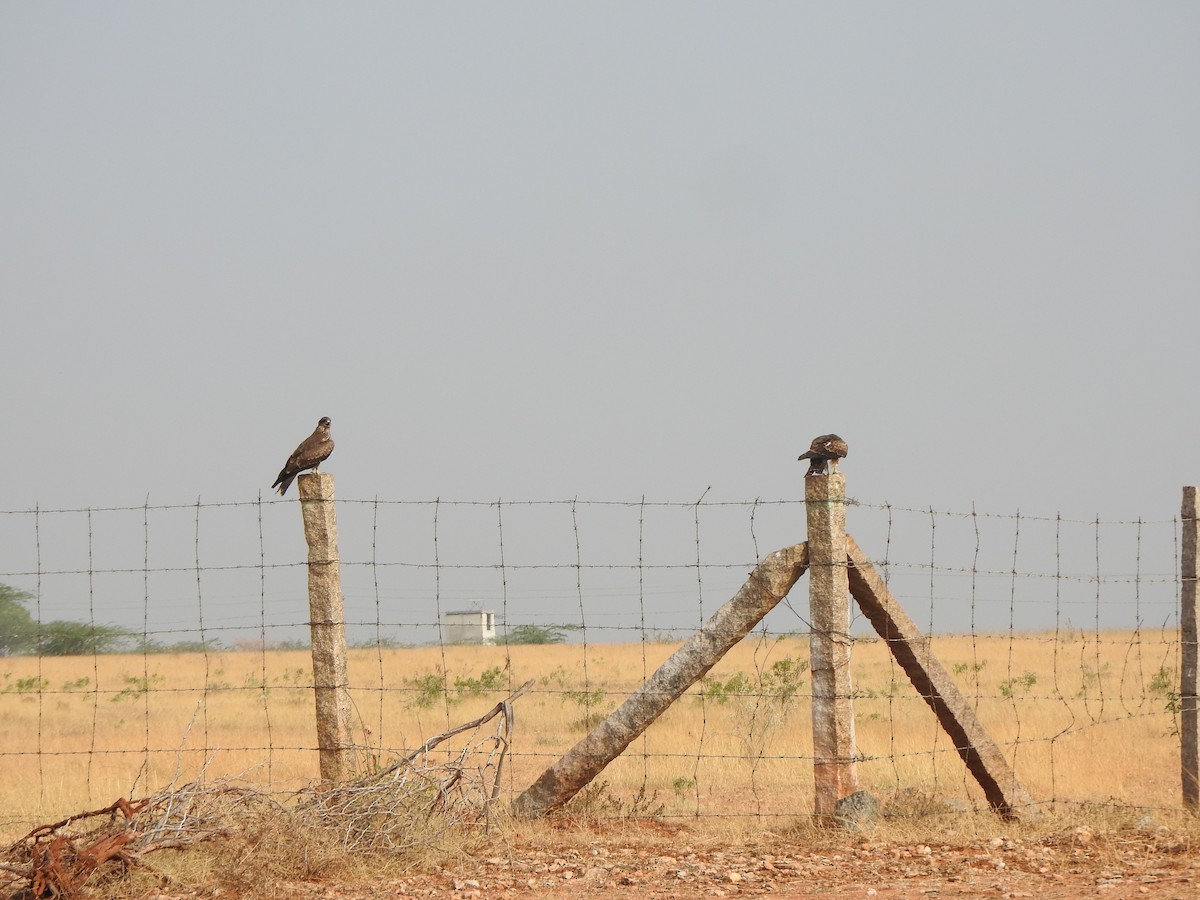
(835, 773)
(767, 585)
(911, 650)
(327, 623)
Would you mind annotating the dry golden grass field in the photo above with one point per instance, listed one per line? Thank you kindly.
(1085, 719)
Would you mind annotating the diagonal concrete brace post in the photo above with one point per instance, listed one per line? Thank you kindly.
(911, 650)
(768, 584)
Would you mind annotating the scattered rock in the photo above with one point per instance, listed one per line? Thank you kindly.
(855, 810)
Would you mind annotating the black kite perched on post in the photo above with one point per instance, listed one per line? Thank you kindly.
(825, 449)
(313, 451)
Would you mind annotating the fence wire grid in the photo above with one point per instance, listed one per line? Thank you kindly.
(144, 643)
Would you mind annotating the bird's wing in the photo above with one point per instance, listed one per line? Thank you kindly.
(829, 445)
(817, 448)
(314, 450)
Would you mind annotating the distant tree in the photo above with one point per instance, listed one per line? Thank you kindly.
(79, 639)
(535, 634)
(21, 635)
(145, 645)
(209, 645)
(292, 645)
(18, 630)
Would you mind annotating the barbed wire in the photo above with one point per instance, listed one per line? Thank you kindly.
(1058, 628)
(702, 501)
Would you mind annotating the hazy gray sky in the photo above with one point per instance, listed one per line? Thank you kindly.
(606, 251)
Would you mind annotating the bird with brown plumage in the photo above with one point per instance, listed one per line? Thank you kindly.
(313, 451)
(825, 449)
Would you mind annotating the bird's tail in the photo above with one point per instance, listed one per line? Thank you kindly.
(284, 481)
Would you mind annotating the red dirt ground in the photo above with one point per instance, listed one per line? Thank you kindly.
(1076, 864)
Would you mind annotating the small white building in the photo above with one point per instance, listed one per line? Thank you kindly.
(470, 626)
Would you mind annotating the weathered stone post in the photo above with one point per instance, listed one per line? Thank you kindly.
(834, 771)
(327, 623)
(1189, 645)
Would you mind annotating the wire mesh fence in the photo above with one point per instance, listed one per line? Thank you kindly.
(145, 643)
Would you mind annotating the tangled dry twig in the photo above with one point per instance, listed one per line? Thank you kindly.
(435, 791)
(408, 805)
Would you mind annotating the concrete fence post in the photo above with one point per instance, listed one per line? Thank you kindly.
(327, 622)
(1189, 636)
(835, 773)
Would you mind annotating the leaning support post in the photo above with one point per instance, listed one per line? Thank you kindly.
(327, 622)
(911, 650)
(767, 585)
(1189, 644)
(835, 774)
